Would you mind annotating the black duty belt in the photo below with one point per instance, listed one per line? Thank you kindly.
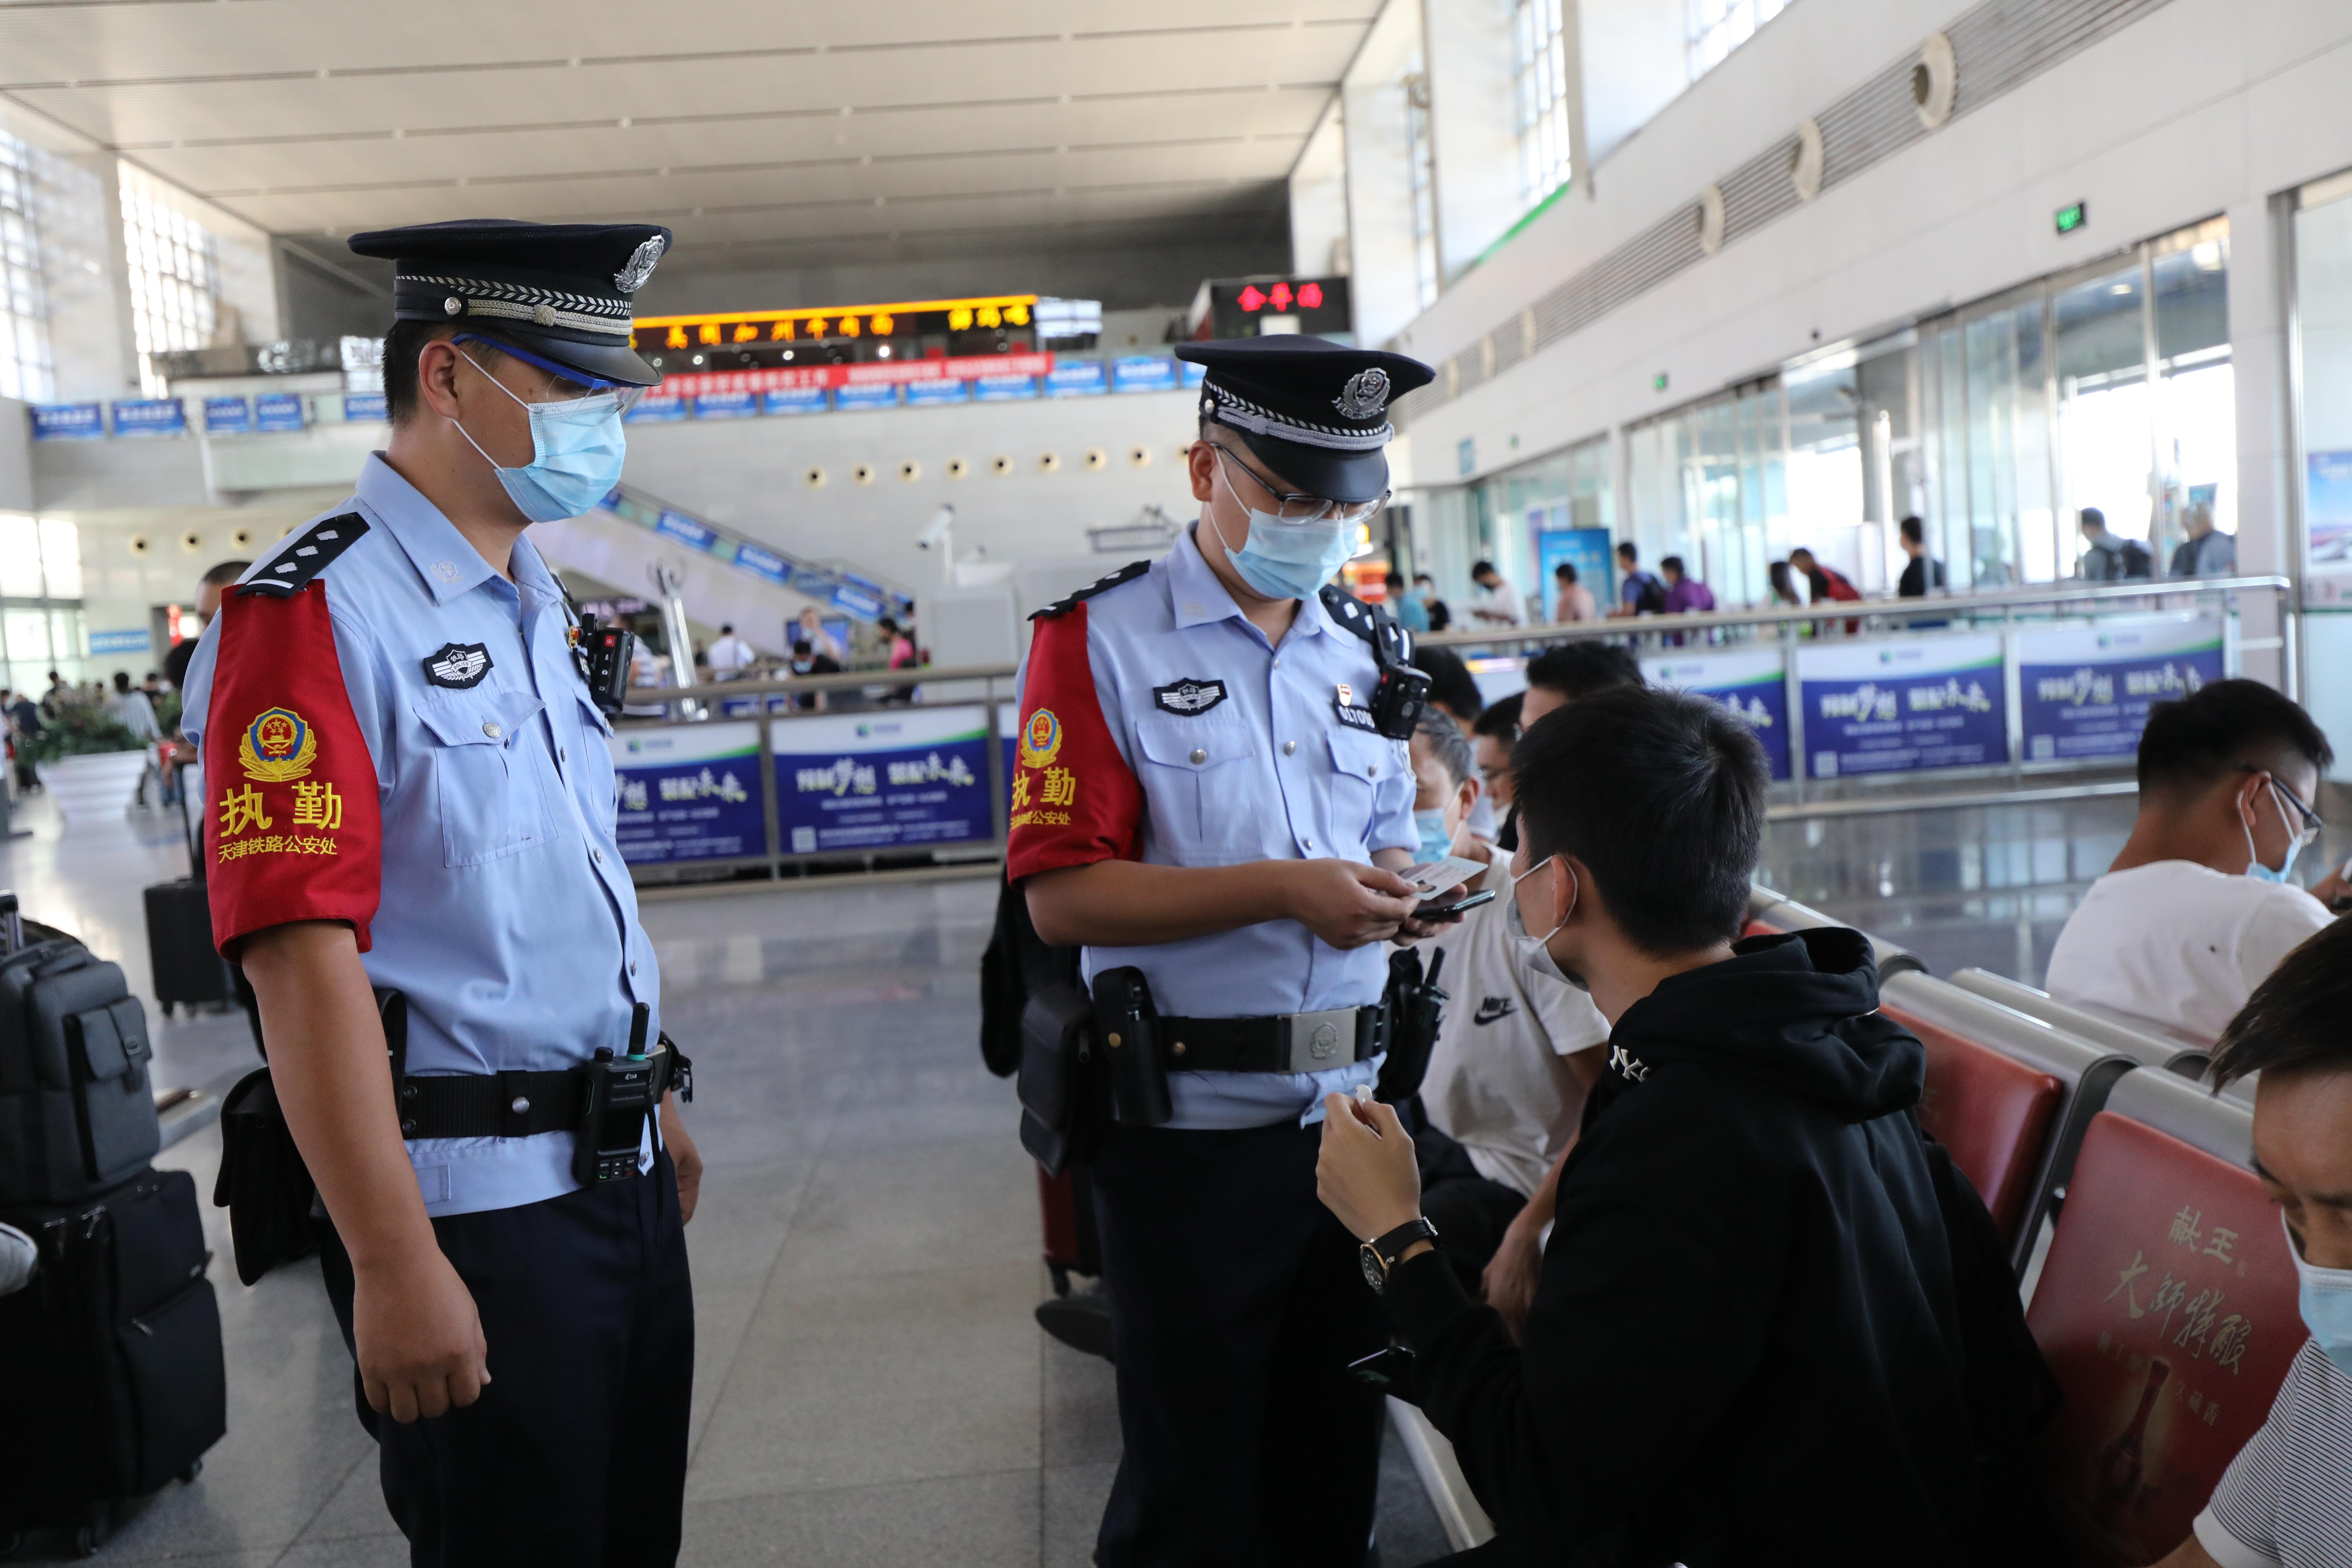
(503, 1104)
(1288, 1042)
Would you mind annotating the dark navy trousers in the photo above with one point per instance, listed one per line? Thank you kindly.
(1236, 1304)
(576, 1453)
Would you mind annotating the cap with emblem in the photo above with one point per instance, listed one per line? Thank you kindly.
(1315, 412)
(561, 289)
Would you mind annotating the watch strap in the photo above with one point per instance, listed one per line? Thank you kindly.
(1391, 1245)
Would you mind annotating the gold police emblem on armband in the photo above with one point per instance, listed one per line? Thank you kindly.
(279, 745)
(1041, 739)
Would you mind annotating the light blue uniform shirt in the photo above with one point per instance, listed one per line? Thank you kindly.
(1280, 778)
(507, 917)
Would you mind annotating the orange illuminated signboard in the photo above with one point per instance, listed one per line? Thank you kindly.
(841, 325)
(1252, 307)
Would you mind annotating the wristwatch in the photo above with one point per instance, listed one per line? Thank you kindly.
(1380, 1255)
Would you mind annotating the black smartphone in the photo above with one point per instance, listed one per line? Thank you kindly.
(1390, 1370)
(1447, 911)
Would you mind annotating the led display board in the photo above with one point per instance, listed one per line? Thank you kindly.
(1252, 307)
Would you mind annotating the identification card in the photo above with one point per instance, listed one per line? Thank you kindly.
(1435, 876)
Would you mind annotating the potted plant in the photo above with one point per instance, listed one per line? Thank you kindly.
(88, 761)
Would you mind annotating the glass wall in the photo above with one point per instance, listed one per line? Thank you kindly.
(2322, 358)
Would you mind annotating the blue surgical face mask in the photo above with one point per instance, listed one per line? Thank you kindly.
(2254, 867)
(2325, 1299)
(577, 450)
(1436, 838)
(1287, 560)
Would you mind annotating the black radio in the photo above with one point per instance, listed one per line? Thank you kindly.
(604, 654)
(623, 1092)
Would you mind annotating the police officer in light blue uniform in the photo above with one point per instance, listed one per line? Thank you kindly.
(1203, 795)
(409, 787)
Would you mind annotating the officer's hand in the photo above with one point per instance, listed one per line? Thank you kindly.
(1347, 904)
(1413, 930)
(420, 1340)
(684, 1156)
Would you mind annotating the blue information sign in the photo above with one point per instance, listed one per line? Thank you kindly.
(1586, 548)
(685, 530)
(688, 792)
(794, 400)
(867, 394)
(1752, 683)
(763, 562)
(1900, 707)
(228, 416)
(1143, 372)
(944, 389)
(656, 410)
(67, 421)
(726, 404)
(1193, 373)
(2085, 690)
(1004, 388)
(277, 412)
(132, 641)
(1075, 378)
(860, 782)
(366, 408)
(150, 416)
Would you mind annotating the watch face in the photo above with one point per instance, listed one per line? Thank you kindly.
(1376, 1274)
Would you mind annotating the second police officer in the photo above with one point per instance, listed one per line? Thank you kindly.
(1203, 793)
(408, 787)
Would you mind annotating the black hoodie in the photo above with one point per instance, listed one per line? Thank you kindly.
(1744, 1347)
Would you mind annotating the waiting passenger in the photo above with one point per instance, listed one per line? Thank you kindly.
(1559, 676)
(1922, 573)
(1491, 739)
(1784, 585)
(1745, 1347)
(1683, 591)
(2287, 1497)
(1572, 600)
(2109, 558)
(2197, 910)
(1409, 612)
(1498, 603)
(1825, 581)
(1453, 691)
(1424, 588)
(2206, 552)
(1640, 592)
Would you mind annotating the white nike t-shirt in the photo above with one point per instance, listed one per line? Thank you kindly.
(2178, 942)
(1496, 1084)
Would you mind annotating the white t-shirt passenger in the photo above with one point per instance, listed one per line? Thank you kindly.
(2178, 942)
(1495, 1083)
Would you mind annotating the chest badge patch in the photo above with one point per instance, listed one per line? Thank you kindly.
(1189, 698)
(459, 665)
(277, 746)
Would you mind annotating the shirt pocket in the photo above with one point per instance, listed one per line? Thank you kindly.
(1199, 798)
(1362, 766)
(486, 786)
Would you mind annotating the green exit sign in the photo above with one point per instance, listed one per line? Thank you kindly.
(1658, 383)
(2073, 216)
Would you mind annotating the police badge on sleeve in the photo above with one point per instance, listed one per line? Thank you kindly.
(1188, 699)
(459, 665)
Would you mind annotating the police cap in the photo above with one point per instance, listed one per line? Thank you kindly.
(560, 289)
(1315, 412)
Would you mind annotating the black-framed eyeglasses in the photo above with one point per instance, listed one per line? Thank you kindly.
(2311, 819)
(1292, 508)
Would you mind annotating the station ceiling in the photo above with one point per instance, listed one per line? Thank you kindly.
(766, 132)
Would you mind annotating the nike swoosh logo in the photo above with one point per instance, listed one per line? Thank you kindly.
(1494, 1007)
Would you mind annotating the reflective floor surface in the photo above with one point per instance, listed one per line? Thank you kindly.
(870, 1386)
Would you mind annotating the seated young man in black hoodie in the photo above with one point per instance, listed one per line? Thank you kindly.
(1743, 1348)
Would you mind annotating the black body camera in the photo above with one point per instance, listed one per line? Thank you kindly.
(606, 654)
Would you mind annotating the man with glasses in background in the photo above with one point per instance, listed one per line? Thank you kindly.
(408, 789)
(1213, 793)
(2198, 910)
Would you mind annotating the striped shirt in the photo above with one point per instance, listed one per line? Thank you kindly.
(2286, 1499)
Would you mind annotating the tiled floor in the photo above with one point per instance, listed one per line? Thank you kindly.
(870, 1387)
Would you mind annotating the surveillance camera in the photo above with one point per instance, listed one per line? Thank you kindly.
(935, 535)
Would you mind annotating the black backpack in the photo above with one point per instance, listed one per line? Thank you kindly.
(77, 1113)
(2137, 562)
(1649, 594)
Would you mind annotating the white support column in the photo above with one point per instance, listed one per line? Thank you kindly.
(1472, 125)
(92, 340)
(2260, 293)
(1319, 200)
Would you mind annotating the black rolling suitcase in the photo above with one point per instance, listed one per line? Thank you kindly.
(110, 1357)
(188, 969)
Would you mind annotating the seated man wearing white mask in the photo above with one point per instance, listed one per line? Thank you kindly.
(2197, 910)
(2287, 1497)
(1516, 1052)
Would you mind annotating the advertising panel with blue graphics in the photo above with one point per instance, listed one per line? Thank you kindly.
(2085, 690)
(1903, 707)
(688, 792)
(913, 778)
(1752, 683)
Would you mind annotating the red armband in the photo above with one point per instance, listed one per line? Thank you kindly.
(1074, 800)
(292, 827)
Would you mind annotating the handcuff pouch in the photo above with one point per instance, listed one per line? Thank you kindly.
(1062, 1084)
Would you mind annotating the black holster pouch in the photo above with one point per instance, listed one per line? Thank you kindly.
(263, 1183)
(1065, 1093)
(1415, 1007)
(1130, 1036)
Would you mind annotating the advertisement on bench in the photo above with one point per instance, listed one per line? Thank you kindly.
(1902, 706)
(912, 778)
(688, 792)
(1752, 683)
(2086, 690)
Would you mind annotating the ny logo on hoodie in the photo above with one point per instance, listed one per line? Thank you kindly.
(1627, 1064)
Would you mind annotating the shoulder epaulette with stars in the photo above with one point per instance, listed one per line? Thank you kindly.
(1366, 622)
(311, 553)
(1127, 574)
